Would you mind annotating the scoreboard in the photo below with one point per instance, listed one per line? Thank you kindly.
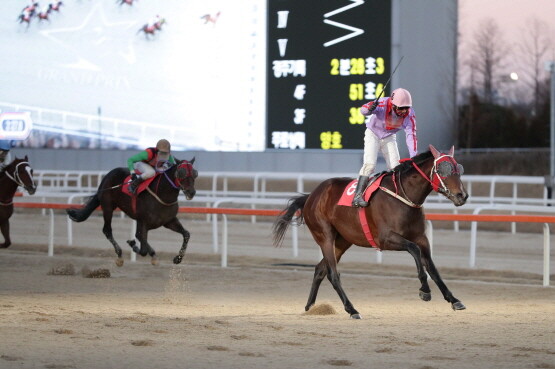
(325, 59)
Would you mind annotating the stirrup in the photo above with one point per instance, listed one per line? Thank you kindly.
(359, 202)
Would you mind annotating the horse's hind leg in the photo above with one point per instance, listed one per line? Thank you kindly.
(5, 228)
(456, 304)
(107, 230)
(326, 239)
(320, 273)
(321, 270)
(175, 225)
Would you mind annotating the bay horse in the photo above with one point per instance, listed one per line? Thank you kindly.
(394, 216)
(153, 208)
(17, 173)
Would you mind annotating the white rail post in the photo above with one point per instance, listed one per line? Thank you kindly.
(295, 240)
(215, 233)
(379, 256)
(473, 231)
(51, 234)
(430, 235)
(133, 231)
(69, 231)
(224, 242)
(546, 254)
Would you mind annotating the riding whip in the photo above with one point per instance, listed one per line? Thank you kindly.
(375, 104)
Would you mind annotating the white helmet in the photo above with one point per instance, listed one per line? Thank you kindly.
(401, 98)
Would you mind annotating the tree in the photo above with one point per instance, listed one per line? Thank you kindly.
(488, 51)
(534, 46)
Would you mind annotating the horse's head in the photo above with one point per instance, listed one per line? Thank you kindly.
(185, 177)
(21, 173)
(445, 176)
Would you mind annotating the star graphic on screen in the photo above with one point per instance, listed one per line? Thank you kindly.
(97, 42)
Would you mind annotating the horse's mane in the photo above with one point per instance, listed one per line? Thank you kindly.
(418, 159)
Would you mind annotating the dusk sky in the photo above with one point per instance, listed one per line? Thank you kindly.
(511, 16)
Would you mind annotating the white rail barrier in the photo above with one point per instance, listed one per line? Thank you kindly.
(525, 190)
(224, 251)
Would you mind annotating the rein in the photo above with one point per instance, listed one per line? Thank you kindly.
(172, 182)
(16, 178)
(436, 187)
(159, 199)
(405, 199)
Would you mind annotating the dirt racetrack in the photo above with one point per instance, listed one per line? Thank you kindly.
(198, 315)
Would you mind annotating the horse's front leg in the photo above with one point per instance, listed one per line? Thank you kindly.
(5, 228)
(396, 242)
(142, 236)
(426, 257)
(175, 225)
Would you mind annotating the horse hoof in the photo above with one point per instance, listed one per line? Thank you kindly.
(425, 296)
(119, 262)
(177, 259)
(131, 243)
(458, 306)
(356, 316)
(154, 261)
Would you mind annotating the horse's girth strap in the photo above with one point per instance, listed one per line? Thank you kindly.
(366, 228)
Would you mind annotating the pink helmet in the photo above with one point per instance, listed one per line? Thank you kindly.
(401, 97)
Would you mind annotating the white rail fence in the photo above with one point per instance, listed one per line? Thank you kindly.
(514, 194)
(512, 190)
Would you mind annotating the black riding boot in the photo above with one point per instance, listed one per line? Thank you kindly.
(135, 184)
(358, 200)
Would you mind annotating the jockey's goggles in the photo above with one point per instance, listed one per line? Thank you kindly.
(446, 168)
(403, 108)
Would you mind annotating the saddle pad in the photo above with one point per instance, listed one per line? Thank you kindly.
(141, 188)
(349, 192)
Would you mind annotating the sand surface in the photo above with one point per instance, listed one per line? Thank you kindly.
(251, 315)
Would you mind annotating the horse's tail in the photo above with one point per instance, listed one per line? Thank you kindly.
(285, 218)
(82, 214)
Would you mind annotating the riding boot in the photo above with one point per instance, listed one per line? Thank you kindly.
(135, 184)
(358, 200)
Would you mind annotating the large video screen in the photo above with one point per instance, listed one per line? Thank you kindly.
(214, 75)
(325, 59)
(90, 76)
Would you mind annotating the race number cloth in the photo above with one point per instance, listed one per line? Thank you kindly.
(347, 200)
(142, 186)
(349, 193)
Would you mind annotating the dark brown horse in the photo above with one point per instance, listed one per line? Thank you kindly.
(154, 208)
(17, 173)
(396, 220)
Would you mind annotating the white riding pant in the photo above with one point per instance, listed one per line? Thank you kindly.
(388, 148)
(7, 160)
(145, 169)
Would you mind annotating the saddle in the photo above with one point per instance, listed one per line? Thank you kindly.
(349, 192)
(142, 186)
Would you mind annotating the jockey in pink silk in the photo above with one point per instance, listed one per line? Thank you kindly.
(388, 116)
